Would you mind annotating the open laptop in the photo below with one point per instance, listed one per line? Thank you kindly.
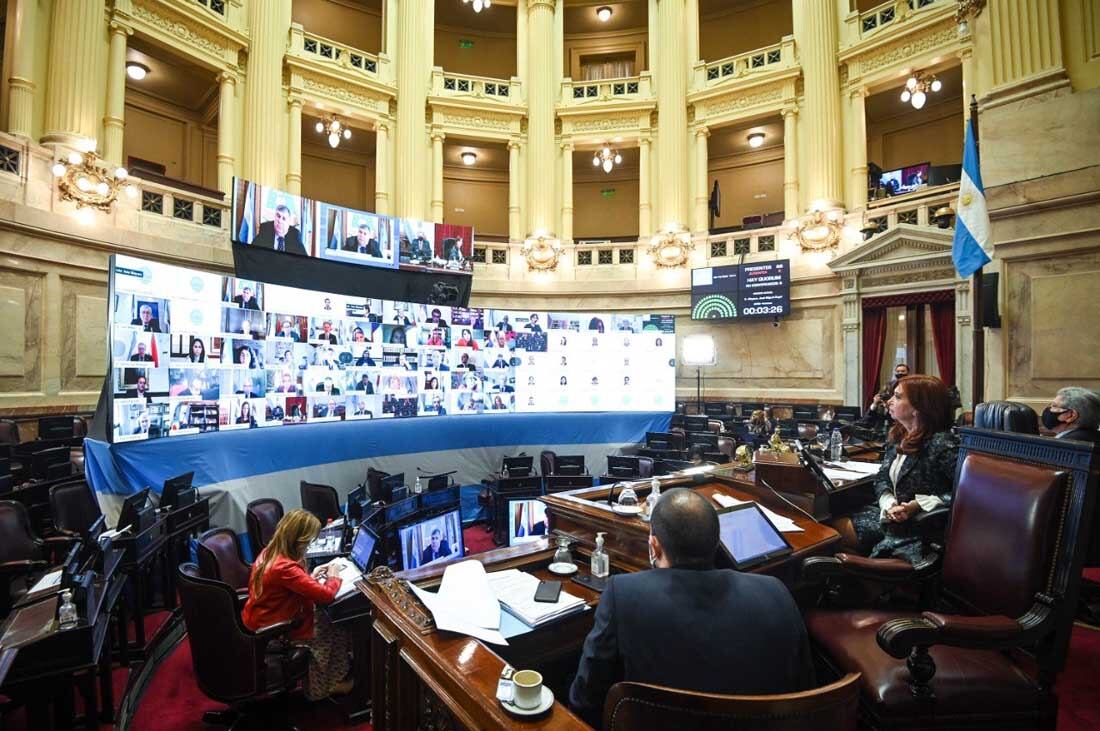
(357, 562)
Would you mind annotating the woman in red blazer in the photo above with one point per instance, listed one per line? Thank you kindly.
(281, 589)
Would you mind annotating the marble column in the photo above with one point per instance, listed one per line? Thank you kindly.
(437, 175)
(857, 145)
(294, 146)
(815, 31)
(389, 19)
(645, 205)
(76, 47)
(115, 119)
(651, 43)
(559, 44)
(515, 227)
(567, 191)
(691, 10)
(540, 115)
(791, 208)
(672, 131)
(415, 29)
(521, 38)
(702, 197)
(227, 158)
(381, 168)
(264, 106)
(21, 86)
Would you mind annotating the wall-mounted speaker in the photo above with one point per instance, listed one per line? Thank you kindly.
(991, 315)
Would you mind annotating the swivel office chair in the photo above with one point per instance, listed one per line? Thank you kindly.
(261, 516)
(321, 500)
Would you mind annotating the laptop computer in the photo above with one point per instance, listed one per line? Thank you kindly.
(358, 561)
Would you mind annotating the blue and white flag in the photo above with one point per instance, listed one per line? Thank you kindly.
(245, 234)
(972, 247)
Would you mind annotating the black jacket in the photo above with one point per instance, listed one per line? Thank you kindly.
(351, 243)
(292, 242)
(1083, 435)
(931, 471)
(715, 631)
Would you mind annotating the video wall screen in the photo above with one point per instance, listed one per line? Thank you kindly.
(268, 218)
(195, 352)
(762, 289)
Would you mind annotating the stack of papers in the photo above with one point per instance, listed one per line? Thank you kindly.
(781, 522)
(465, 603)
(849, 470)
(516, 591)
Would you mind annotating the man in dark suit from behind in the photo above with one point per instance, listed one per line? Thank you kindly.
(1074, 413)
(363, 242)
(688, 625)
(278, 234)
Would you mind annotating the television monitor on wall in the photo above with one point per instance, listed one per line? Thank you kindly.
(758, 289)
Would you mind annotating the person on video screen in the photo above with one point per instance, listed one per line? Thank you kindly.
(438, 548)
(246, 300)
(278, 234)
(140, 355)
(363, 242)
(288, 330)
(146, 320)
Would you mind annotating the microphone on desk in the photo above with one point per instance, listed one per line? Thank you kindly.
(774, 492)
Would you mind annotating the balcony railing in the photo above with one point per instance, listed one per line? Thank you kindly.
(319, 48)
(917, 208)
(445, 83)
(214, 6)
(628, 88)
(769, 58)
(889, 12)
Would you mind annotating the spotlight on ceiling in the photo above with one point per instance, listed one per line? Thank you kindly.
(468, 158)
(604, 14)
(136, 71)
(756, 139)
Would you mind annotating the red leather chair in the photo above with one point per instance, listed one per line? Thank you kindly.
(990, 652)
(220, 558)
(261, 516)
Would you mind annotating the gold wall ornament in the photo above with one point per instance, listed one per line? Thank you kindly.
(819, 230)
(83, 179)
(671, 248)
(542, 252)
(966, 11)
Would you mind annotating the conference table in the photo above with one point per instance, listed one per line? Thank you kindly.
(424, 678)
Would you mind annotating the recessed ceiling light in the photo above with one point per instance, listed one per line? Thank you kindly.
(756, 139)
(604, 14)
(469, 158)
(136, 71)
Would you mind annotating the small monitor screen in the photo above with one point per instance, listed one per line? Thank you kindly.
(569, 464)
(526, 521)
(905, 180)
(622, 466)
(747, 535)
(362, 549)
(436, 540)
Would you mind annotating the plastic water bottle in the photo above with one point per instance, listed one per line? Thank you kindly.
(653, 497)
(504, 472)
(417, 488)
(836, 446)
(66, 613)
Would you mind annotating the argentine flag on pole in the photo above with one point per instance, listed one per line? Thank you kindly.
(971, 247)
(245, 233)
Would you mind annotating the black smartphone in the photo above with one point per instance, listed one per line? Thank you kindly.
(548, 591)
(592, 582)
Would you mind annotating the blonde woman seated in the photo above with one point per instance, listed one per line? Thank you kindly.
(281, 589)
(759, 424)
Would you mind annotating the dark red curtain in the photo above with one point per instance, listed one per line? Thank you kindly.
(874, 339)
(943, 335)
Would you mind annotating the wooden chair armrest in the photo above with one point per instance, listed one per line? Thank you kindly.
(272, 631)
(900, 637)
(817, 569)
(22, 566)
(932, 519)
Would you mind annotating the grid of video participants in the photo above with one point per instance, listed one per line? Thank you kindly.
(196, 352)
(269, 218)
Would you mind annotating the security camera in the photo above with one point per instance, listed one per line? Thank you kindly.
(775, 322)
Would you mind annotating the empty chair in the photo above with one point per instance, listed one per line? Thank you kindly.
(645, 467)
(80, 427)
(21, 554)
(73, 507)
(220, 558)
(321, 500)
(232, 664)
(1006, 416)
(727, 446)
(548, 462)
(9, 432)
(261, 517)
(641, 707)
(714, 426)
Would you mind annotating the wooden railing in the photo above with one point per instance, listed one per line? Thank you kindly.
(769, 58)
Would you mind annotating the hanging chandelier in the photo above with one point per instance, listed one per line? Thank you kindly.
(83, 179)
(607, 159)
(917, 88)
(334, 129)
(479, 5)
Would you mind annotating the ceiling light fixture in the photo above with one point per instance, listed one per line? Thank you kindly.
(136, 71)
(468, 158)
(479, 5)
(334, 129)
(604, 14)
(917, 87)
(756, 139)
(607, 159)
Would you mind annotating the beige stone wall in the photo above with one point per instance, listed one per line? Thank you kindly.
(744, 27)
(482, 197)
(492, 55)
(358, 25)
(934, 135)
(743, 177)
(337, 176)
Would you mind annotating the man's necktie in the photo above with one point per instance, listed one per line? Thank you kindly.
(279, 243)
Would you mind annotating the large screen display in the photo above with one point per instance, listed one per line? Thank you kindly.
(193, 352)
(729, 292)
(269, 218)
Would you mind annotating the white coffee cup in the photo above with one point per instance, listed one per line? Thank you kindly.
(527, 689)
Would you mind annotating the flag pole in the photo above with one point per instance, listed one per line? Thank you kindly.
(978, 354)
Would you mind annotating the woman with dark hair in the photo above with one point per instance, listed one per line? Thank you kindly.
(397, 335)
(246, 357)
(198, 350)
(245, 416)
(917, 474)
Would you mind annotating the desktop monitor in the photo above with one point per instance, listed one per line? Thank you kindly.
(389, 484)
(526, 521)
(624, 467)
(569, 464)
(715, 409)
(401, 509)
(439, 482)
(438, 499)
(362, 549)
(695, 423)
(52, 463)
(747, 537)
(177, 491)
(906, 179)
(55, 427)
(431, 541)
(707, 439)
(133, 511)
(518, 466)
(661, 440)
(356, 498)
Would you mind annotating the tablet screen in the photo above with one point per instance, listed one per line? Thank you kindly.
(747, 535)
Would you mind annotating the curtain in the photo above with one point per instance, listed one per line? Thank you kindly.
(943, 336)
(874, 338)
(597, 71)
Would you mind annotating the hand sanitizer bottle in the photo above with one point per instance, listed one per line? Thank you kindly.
(66, 613)
(836, 446)
(417, 488)
(504, 472)
(601, 567)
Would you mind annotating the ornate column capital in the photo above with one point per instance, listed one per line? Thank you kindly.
(858, 91)
(568, 145)
(438, 135)
(382, 126)
(513, 143)
(534, 4)
(645, 140)
(119, 26)
(293, 100)
(702, 131)
(228, 77)
(791, 111)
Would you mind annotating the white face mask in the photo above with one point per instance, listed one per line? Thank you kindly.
(652, 559)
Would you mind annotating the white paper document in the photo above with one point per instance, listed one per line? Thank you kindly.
(48, 581)
(782, 523)
(863, 469)
(465, 603)
(516, 590)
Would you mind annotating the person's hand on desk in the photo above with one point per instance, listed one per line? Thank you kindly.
(321, 572)
(902, 511)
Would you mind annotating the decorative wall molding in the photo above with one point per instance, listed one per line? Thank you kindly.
(187, 33)
(346, 93)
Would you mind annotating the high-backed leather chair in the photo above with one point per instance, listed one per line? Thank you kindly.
(644, 707)
(220, 558)
(73, 507)
(1008, 587)
(1006, 416)
(261, 516)
(374, 483)
(321, 500)
(9, 432)
(548, 462)
(727, 446)
(714, 426)
(80, 427)
(645, 467)
(22, 554)
(232, 664)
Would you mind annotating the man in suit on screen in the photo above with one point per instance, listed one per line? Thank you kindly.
(278, 234)
(438, 548)
(363, 242)
(145, 319)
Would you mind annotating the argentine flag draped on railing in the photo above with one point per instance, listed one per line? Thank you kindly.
(971, 246)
